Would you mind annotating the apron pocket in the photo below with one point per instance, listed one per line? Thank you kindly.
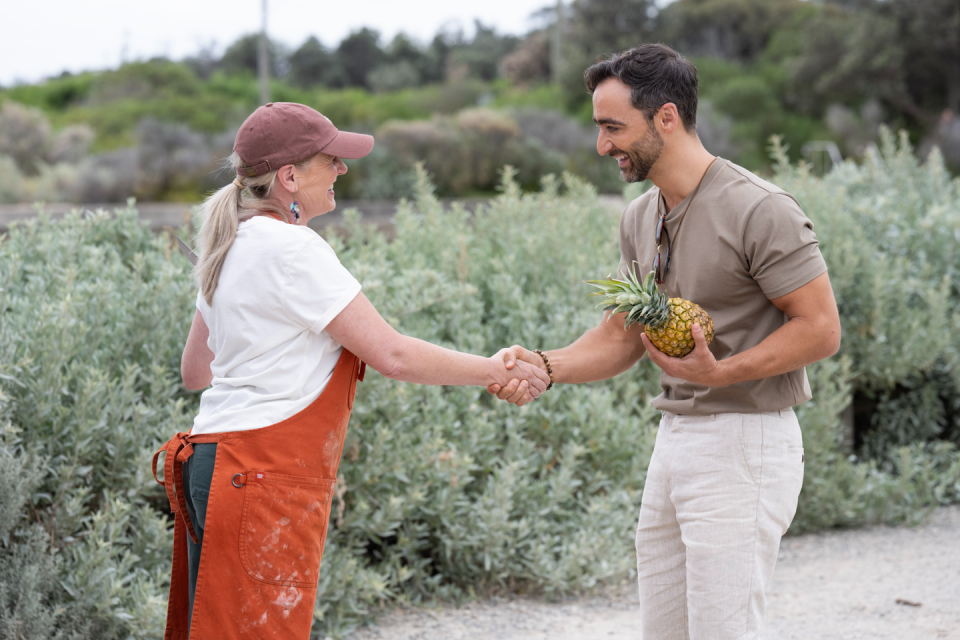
(284, 526)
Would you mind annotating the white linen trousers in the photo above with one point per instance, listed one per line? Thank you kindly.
(721, 491)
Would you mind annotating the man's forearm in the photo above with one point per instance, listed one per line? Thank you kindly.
(811, 333)
(798, 343)
(603, 352)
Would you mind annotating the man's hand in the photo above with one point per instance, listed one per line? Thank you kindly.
(522, 382)
(512, 357)
(811, 333)
(698, 367)
(603, 352)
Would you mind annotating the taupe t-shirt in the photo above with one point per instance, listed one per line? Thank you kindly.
(742, 243)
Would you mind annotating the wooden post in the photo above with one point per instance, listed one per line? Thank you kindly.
(556, 57)
(846, 420)
(263, 66)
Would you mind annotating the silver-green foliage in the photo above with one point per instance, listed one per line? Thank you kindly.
(890, 232)
(93, 311)
(900, 486)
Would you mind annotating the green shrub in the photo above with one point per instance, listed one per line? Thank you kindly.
(462, 153)
(93, 312)
(540, 96)
(443, 492)
(889, 231)
(901, 486)
(55, 94)
(360, 108)
(755, 98)
(11, 181)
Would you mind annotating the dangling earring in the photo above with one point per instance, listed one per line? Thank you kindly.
(295, 210)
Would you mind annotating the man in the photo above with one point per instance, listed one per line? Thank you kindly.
(727, 466)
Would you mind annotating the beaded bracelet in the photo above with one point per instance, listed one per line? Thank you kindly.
(546, 362)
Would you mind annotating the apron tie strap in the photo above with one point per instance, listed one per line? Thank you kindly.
(178, 451)
(359, 369)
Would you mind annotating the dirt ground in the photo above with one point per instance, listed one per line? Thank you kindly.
(879, 583)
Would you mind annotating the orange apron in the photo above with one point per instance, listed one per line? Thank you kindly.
(266, 522)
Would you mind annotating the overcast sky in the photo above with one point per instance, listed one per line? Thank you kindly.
(41, 38)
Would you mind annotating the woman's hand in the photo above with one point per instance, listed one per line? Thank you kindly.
(361, 330)
(532, 380)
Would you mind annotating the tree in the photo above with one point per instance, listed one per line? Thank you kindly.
(483, 53)
(241, 56)
(904, 53)
(600, 27)
(313, 64)
(530, 61)
(737, 30)
(359, 54)
(404, 62)
(435, 60)
(403, 49)
(610, 26)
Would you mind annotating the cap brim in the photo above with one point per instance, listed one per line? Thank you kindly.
(349, 145)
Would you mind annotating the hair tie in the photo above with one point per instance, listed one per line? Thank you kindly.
(237, 182)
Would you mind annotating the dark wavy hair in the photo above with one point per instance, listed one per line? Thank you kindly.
(656, 75)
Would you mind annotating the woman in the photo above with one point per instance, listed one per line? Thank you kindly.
(281, 331)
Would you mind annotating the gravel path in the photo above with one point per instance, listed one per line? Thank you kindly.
(836, 585)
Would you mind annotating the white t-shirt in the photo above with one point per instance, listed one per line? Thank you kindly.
(279, 288)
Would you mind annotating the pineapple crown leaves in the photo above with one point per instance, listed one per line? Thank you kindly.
(642, 301)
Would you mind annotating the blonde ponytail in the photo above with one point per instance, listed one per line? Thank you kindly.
(222, 214)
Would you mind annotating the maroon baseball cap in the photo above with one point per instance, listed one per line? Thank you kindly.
(281, 133)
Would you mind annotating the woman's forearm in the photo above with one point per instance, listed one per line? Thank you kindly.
(364, 332)
(420, 362)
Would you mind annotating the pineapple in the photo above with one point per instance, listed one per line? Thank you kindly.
(667, 321)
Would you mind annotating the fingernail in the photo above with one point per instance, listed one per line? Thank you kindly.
(696, 327)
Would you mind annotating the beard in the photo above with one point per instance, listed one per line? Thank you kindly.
(643, 154)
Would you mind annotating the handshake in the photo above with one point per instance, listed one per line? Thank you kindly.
(521, 375)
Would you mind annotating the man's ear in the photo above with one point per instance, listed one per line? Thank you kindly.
(667, 119)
